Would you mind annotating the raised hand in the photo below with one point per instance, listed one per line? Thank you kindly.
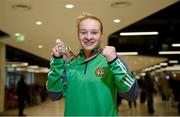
(109, 52)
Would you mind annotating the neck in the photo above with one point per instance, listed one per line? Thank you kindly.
(87, 53)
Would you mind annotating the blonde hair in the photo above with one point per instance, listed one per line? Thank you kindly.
(85, 16)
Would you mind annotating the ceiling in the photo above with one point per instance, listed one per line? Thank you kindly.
(59, 22)
(166, 22)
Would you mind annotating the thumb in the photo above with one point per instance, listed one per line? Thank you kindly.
(58, 41)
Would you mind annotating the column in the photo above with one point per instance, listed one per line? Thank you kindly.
(2, 74)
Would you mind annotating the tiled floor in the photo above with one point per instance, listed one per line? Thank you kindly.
(50, 108)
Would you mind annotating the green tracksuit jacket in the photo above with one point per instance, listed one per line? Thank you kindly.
(90, 86)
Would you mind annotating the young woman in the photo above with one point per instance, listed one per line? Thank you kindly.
(90, 81)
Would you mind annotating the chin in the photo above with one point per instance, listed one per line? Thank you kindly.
(90, 47)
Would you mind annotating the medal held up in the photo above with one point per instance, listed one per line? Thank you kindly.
(65, 50)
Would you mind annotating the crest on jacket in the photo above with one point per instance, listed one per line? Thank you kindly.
(100, 72)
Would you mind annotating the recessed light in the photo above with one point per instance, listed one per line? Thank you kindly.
(16, 34)
(40, 46)
(69, 6)
(38, 22)
(116, 20)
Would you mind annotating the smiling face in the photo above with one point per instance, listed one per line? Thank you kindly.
(89, 34)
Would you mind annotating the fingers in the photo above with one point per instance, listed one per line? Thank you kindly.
(58, 41)
(61, 49)
(109, 52)
(55, 49)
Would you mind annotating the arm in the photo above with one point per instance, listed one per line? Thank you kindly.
(56, 82)
(125, 82)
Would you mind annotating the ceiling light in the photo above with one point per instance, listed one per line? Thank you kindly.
(116, 20)
(176, 45)
(21, 69)
(169, 52)
(127, 53)
(40, 46)
(16, 64)
(171, 68)
(173, 61)
(16, 34)
(163, 64)
(147, 69)
(157, 66)
(38, 22)
(69, 6)
(33, 66)
(138, 33)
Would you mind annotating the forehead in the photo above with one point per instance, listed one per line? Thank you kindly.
(90, 23)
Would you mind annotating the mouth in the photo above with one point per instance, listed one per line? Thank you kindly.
(89, 43)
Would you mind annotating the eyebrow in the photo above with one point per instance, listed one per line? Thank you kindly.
(89, 29)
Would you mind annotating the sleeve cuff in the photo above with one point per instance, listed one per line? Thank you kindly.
(57, 57)
(112, 60)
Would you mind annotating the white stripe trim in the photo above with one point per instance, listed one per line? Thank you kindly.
(130, 78)
(127, 83)
(121, 66)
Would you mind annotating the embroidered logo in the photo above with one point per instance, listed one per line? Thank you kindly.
(100, 72)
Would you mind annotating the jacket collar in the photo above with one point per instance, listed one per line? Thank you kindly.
(93, 54)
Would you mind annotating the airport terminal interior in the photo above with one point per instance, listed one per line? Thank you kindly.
(153, 48)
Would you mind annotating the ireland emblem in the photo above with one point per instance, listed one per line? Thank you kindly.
(100, 72)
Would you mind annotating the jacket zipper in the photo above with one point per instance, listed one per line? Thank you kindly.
(85, 68)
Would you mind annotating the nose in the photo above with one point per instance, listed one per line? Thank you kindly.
(88, 36)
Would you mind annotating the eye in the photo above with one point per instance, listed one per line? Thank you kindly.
(94, 32)
(83, 32)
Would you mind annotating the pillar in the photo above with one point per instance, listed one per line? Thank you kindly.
(2, 75)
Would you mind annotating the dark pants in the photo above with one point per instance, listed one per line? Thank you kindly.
(150, 103)
(21, 105)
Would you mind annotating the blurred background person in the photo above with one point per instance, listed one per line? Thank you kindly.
(148, 86)
(22, 94)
